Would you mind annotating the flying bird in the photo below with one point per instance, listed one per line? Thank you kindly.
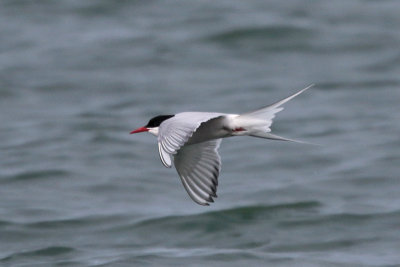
(191, 140)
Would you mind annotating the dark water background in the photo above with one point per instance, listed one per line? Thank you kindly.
(77, 190)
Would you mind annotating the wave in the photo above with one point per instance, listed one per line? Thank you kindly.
(273, 38)
(35, 175)
(265, 32)
(90, 221)
(43, 252)
(216, 220)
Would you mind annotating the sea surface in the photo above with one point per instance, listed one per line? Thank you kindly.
(77, 76)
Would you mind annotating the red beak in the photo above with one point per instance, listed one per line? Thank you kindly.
(139, 130)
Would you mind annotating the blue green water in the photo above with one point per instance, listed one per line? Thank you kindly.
(77, 76)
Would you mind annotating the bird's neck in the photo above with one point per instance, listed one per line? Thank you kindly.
(154, 131)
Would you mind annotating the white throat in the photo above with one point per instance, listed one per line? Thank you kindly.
(153, 131)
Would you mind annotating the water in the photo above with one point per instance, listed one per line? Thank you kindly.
(77, 190)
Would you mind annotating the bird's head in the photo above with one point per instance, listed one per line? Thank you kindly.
(153, 125)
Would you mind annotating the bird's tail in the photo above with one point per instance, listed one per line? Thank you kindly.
(264, 116)
(277, 137)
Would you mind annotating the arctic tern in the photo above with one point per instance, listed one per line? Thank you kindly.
(191, 140)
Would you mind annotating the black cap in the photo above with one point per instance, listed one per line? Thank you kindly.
(156, 121)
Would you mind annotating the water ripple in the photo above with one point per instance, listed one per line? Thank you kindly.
(41, 252)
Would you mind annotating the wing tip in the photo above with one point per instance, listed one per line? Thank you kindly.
(161, 152)
(199, 176)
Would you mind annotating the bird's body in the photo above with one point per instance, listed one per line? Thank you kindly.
(191, 140)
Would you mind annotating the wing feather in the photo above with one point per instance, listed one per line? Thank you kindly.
(164, 156)
(193, 194)
(175, 132)
(198, 166)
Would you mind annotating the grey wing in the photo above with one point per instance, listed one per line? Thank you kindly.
(175, 132)
(198, 166)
